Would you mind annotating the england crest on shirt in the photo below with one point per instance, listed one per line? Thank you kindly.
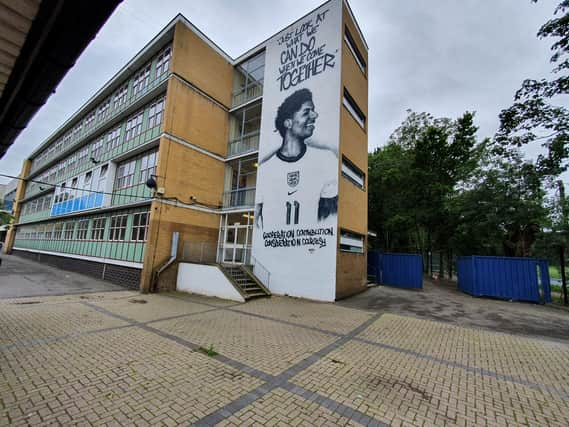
(293, 178)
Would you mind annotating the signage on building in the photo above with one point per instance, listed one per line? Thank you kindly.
(296, 202)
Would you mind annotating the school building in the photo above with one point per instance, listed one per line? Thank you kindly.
(188, 159)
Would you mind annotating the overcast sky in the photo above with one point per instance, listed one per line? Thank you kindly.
(439, 56)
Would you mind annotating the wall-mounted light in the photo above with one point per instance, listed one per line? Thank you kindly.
(151, 182)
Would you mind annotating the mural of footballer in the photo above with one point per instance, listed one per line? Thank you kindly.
(300, 177)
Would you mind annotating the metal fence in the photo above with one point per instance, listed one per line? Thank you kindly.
(520, 279)
(399, 270)
(199, 252)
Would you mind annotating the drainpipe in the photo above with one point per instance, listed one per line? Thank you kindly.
(170, 261)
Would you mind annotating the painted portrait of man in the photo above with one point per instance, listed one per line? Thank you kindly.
(300, 192)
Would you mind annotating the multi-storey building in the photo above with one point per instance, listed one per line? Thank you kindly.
(201, 125)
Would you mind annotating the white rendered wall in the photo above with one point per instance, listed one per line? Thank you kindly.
(206, 280)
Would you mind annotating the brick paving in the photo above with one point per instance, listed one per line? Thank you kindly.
(121, 358)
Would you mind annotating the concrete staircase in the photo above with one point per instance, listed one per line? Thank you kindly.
(245, 281)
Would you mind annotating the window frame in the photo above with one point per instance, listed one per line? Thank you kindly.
(347, 238)
(120, 229)
(146, 169)
(82, 229)
(127, 179)
(354, 110)
(351, 167)
(351, 43)
(98, 231)
(138, 227)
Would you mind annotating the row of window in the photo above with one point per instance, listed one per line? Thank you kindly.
(115, 102)
(37, 205)
(125, 176)
(104, 143)
(91, 229)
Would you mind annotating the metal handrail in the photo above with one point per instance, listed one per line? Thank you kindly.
(260, 271)
(249, 142)
(240, 197)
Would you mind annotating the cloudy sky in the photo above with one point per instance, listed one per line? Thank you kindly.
(439, 56)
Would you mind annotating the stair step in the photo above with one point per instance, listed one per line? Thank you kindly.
(242, 278)
(259, 294)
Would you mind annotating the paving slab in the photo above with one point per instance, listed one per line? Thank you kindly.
(443, 302)
(122, 358)
(21, 277)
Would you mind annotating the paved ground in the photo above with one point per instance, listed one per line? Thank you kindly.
(444, 302)
(20, 277)
(121, 358)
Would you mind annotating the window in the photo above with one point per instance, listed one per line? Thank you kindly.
(155, 113)
(125, 174)
(71, 163)
(355, 51)
(119, 98)
(103, 110)
(353, 108)
(148, 166)
(133, 126)
(102, 178)
(46, 202)
(68, 233)
(351, 242)
(61, 169)
(141, 80)
(57, 231)
(82, 228)
(77, 130)
(82, 156)
(97, 149)
(163, 62)
(353, 173)
(113, 138)
(90, 119)
(140, 227)
(87, 181)
(98, 230)
(48, 233)
(52, 175)
(248, 80)
(118, 227)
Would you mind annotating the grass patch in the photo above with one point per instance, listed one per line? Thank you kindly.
(208, 351)
(555, 272)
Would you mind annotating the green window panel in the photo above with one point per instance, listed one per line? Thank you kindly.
(130, 252)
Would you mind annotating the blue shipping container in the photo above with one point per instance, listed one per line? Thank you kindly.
(400, 270)
(519, 279)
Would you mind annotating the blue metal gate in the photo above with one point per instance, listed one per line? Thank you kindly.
(400, 270)
(520, 279)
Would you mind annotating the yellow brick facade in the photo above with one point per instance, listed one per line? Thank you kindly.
(351, 269)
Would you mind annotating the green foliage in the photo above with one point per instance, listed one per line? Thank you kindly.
(5, 217)
(498, 208)
(425, 159)
(210, 351)
(533, 117)
(435, 187)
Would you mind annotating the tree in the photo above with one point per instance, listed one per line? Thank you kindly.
(533, 117)
(425, 160)
(501, 209)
